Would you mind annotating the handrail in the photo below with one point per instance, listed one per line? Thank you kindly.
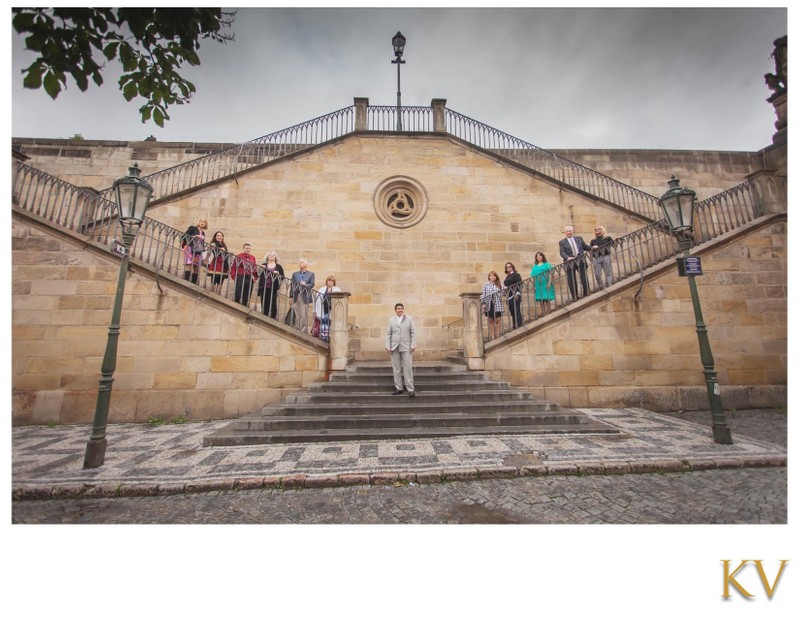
(631, 254)
(451, 323)
(88, 214)
(415, 119)
(552, 165)
(232, 160)
(157, 244)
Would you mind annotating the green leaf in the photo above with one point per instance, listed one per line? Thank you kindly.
(34, 42)
(33, 77)
(158, 116)
(110, 51)
(127, 57)
(52, 85)
(22, 21)
(83, 83)
(130, 91)
(192, 58)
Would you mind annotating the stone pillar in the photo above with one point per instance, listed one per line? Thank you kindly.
(779, 83)
(770, 191)
(473, 331)
(362, 104)
(340, 331)
(780, 102)
(439, 124)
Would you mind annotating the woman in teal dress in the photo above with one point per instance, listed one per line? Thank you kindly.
(543, 282)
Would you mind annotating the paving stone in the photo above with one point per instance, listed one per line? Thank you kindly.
(525, 479)
(293, 481)
(454, 475)
(321, 481)
(429, 477)
(499, 472)
(380, 479)
(352, 479)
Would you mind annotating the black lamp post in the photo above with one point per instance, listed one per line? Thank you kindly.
(677, 203)
(133, 196)
(399, 43)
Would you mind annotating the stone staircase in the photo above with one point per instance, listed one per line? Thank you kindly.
(358, 404)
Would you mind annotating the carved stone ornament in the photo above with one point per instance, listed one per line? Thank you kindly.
(400, 202)
(778, 82)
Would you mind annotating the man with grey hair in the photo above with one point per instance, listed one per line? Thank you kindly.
(302, 284)
(571, 249)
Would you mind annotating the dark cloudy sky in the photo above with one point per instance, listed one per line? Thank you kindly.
(558, 78)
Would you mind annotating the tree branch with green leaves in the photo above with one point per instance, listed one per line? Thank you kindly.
(150, 44)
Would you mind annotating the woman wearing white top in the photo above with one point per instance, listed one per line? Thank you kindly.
(322, 307)
(492, 302)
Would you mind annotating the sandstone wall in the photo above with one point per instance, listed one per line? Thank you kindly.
(706, 172)
(177, 356)
(180, 355)
(319, 205)
(626, 352)
(96, 163)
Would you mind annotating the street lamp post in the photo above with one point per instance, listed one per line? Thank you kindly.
(132, 196)
(399, 43)
(678, 206)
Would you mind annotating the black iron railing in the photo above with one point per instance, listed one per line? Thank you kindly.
(382, 118)
(632, 254)
(160, 245)
(89, 214)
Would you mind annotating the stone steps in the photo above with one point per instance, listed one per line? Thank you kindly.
(358, 404)
(228, 438)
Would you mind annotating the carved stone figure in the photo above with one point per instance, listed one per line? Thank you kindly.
(779, 81)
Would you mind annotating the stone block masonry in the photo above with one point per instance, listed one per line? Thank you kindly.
(203, 365)
(180, 356)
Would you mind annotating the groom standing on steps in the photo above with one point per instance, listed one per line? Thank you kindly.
(401, 341)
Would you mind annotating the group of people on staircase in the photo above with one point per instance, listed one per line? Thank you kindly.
(495, 296)
(268, 278)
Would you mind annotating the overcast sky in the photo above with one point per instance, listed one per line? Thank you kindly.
(558, 78)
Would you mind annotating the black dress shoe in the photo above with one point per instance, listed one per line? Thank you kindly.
(411, 394)
(397, 392)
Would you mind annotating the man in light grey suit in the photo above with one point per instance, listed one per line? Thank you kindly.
(401, 342)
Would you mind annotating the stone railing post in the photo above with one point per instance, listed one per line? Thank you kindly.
(340, 331)
(473, 331)
(439, 125)
(770, 193)
(362, 104)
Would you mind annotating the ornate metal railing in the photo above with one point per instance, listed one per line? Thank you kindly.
(552, 165)
(414, 119)
(630, 255)
(157, 244)
(230, 161)
(90, 214)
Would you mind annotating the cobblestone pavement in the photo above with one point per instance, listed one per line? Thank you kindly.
(657, 469)
(723, 496)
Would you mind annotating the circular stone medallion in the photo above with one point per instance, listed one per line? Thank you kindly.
(400, 202)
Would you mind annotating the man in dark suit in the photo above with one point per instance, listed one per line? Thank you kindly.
(571, 249)
(302, 284)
